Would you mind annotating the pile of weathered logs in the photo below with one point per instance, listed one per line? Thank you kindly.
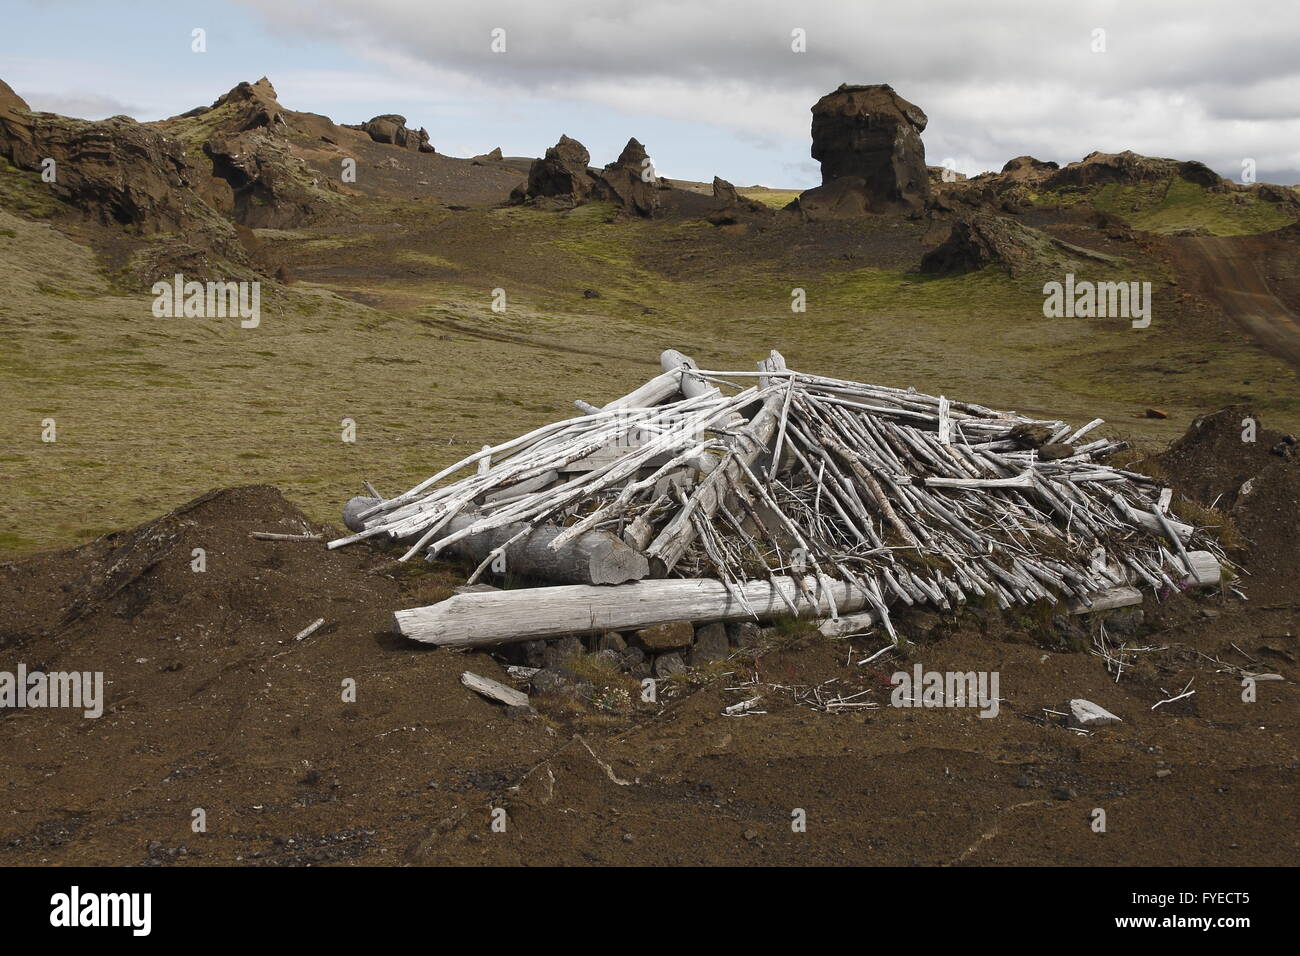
(726, 496)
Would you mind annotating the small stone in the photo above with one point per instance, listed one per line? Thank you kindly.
(1163, 773)
(564, 650)
(611, 657)
(744, 633)
(1063, 793)
(1024, 781)
(559, 681)
(628, 838)
(1084, 713)
(1054, 451)
(1125, 620)
(1209, 613)
(1156, 413)
(751, 835)
(613, 641)
(666, 665)
(710, 645)
(673, 636)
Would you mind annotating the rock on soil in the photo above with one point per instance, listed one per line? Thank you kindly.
(871, 135)
(562, 173)
(710, 644)
(982, 239)
(666, 665)
(391, 128)
(1084, 713)
(666, 637)
(623, 182)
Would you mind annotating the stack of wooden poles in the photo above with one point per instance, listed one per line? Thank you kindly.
(727, 495)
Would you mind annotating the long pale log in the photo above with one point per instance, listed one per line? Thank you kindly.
(658, 389)
(494, 690)
(1107, 600)
(504, 617)
(1025, 480)
(692, 385)
(596, 557)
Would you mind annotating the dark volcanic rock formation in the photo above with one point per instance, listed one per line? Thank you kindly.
(391, 128)
(11, 102)
(116, 170)
(562, 173)
(1028, 169)
(730, 207)
(625, 181)
(982, 239)
(1130, 168)
(868, 141)
(254, 178)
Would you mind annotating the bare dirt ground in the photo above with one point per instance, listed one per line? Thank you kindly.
(1231, 271)
(211, 704)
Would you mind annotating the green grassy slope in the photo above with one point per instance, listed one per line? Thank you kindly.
(395, 330)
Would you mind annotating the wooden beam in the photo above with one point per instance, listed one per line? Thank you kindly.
(494, 690)
(526, 614)
(596, 557)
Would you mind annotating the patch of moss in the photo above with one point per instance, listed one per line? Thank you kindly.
(24, 193)
(1181, 205)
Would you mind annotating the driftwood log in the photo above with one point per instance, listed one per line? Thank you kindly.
(596, 557)
(505, 617)
(482, 619)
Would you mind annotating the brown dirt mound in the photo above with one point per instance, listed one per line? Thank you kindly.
(1256, 484)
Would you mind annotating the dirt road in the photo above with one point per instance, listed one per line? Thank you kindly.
(1229, 272)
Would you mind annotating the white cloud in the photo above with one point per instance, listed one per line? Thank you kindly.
(997, 78)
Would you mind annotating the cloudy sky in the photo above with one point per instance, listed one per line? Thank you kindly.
(710, 86)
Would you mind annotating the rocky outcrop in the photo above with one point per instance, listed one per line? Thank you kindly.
(1130, 168)
(266, 188)
(11, 104)
(116, 171)
(247, 106)
(248, 171)
(194, 180)
(562, 173)
(942, 174)
(1026, 169)
(629, 181)
(730, 207)
(868, 141)
(984, 239)
(391, 129)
